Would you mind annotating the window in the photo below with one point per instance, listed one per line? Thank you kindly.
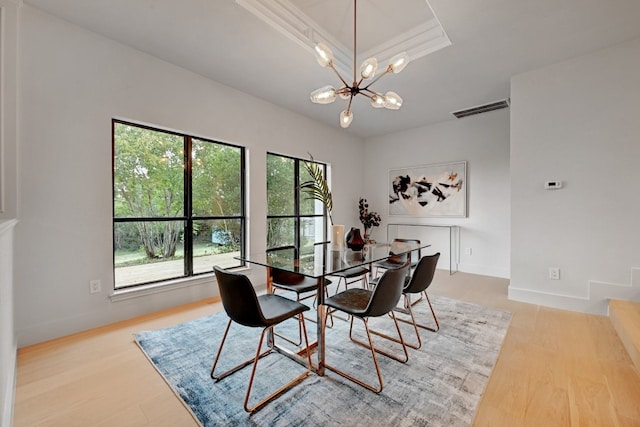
(294, 221)
(178, 205)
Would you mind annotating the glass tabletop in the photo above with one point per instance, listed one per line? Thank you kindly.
(326, 261)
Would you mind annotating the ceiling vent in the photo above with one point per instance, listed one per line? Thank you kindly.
(498, 105)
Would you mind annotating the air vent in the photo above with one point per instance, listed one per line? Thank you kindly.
(498, 105)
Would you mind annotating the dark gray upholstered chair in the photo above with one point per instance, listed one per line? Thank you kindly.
(244, 307)
(417, 284)
(352, 275)
(395, 260)
(304, 287)
(364, 303)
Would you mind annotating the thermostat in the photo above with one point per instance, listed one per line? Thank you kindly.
(552, 185)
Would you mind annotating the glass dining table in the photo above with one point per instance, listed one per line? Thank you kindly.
(322, 262)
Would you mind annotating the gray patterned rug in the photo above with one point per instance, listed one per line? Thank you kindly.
(440, 385)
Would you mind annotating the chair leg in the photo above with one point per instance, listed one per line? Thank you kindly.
(433, 313)
(407, 304)
(399, 340)
(285, 387)
(299, 342)
(236, 368)
(315, 306)
(374, 389)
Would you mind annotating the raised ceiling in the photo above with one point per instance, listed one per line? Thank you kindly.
(491, 40)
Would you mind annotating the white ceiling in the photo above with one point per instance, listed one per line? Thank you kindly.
(492, 40)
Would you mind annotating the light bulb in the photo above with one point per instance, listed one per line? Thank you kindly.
(346, 117)
(377, 101)
(344, 93)
(392, 100)
(324, 95)
(368, 68)
(324, 56)
(398, 62)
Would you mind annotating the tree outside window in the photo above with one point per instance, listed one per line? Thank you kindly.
(294, 221)
(178, 204)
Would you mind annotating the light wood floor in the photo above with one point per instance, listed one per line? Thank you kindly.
(556, 368)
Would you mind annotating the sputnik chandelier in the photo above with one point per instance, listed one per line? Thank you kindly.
(328, 94)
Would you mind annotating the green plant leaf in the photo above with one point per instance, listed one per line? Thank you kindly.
(317, 188)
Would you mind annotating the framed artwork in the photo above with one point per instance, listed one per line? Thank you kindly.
(429, 191)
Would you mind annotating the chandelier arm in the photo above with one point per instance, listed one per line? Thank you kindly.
(349, 105)
(369, 93)
(376, 79)
(338, 74)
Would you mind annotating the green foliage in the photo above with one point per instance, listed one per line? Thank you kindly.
(216, 181)
(317, 188)
(149, 182)
(280, 185)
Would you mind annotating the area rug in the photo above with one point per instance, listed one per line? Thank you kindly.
(440, 385)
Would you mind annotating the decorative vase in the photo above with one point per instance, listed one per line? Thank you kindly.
(354, 239)
(337, 237)
(367, 235)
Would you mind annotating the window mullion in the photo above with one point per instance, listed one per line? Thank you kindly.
(188, 204)
(296, 192)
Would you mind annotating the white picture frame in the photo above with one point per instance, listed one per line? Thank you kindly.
(438, 190)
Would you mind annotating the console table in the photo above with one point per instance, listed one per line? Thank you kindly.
(395, 231)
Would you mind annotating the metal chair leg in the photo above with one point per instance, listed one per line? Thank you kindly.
(238, 366)
(399, 340)
(407, 303)
(285, 387)
(374, 389)
(255, 360)
(433, 313)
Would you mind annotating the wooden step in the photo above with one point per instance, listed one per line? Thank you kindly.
(625, 317)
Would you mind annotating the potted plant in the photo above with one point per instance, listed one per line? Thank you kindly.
(317, 188)
(368, 219)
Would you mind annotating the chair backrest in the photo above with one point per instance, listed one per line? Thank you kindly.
(387, 292)
(415, 254)
(423, 274)
(286, 277)
(239, 298)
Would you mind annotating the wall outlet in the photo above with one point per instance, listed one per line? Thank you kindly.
(467, 251)
(554, 273)
(95, 286)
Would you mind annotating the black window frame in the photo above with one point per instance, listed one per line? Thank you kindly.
(296, 216)
(188, 216)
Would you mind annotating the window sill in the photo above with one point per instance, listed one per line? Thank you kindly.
(169, 285)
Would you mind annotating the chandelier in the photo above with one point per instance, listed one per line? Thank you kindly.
(328, 94)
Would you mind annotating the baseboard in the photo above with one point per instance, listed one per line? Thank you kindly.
(563, 302)
(483, 270)
(6, 416)
(595, 299)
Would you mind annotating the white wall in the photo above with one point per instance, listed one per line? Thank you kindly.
(483, 141)
(577, 121)
(72, 83)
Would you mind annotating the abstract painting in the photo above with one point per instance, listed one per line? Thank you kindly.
(438, 190)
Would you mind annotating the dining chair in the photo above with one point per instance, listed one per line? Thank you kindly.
(304, 288)
(352, 275)
(394, 261)
(364, 304)
(417, 284)
(244, 307)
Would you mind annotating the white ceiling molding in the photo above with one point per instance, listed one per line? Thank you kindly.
(303, 30)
